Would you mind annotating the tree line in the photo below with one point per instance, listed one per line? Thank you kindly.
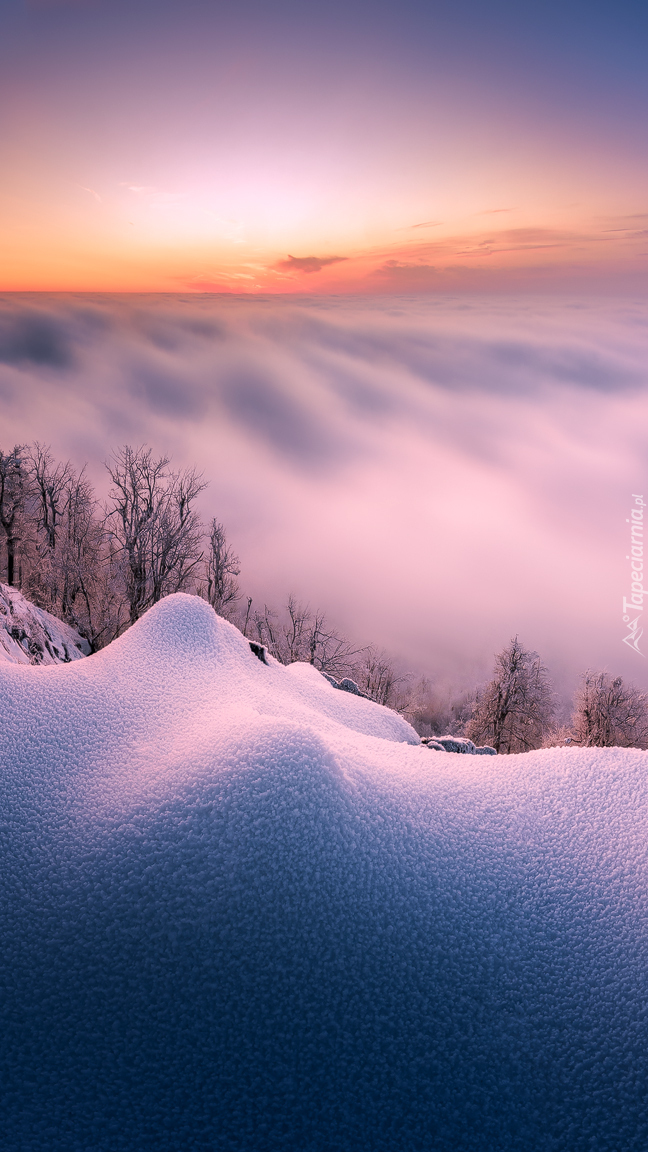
(516, 711)
(100, 566)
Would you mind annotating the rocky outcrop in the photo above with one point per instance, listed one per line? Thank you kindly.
(346, 685)
(29, 635)
(259, 650)
(456, 744)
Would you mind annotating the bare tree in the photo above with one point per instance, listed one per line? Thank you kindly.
(376, 675)
(515, 708)
(282, 638)
(73, 569)
(433, 711)
(51, 485)
(221, 567)
(14, 492)
(100, 568)
(609, 713)
(264, 628)
(300, 634)
(245, 622)
(50, 509)
(328, 650)
(152, 520)
(91, 572)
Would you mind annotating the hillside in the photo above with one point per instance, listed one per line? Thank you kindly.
(29, 635)
(243, 910)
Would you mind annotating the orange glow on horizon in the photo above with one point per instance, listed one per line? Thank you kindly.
(471, 259)
(205, 147)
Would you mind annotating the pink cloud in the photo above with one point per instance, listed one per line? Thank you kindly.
(308, 263)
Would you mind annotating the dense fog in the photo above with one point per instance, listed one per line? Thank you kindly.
(438, 474)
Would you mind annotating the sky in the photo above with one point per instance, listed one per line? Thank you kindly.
(298, 147)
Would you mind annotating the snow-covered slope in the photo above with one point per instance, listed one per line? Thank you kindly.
(242, 910)
(29, 635)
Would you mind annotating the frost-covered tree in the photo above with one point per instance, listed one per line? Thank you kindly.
(375, 673)
(59, 497)
(608, 713)
(515, 709)
(219, 586)
(435, 710)
(328, 649)
(14, 495)
(73, 568)
(51, 486)
(299, 634)
(99, 568)
(156, 530)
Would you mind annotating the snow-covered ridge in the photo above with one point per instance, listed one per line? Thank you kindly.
(243, 910)
(29, 635)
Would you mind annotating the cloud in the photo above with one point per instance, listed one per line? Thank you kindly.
(92, 192)
(308, 263)
(630, 233)
(34, 337)
(280, 420)
(523, 240)
(439, 474)
(505, 259)
(166, 394)
(398, 271)
(155, 195)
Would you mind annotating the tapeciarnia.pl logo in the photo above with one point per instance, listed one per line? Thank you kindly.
(638, 592)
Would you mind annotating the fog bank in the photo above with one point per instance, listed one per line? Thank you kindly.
(439, 474)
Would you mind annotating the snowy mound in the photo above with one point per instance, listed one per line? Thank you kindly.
(243, 910)
(29, 635)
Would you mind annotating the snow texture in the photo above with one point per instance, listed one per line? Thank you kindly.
(242, 910)
(29, 635)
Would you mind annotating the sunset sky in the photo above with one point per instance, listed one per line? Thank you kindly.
(349, 147)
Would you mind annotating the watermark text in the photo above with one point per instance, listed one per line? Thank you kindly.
(634, 603)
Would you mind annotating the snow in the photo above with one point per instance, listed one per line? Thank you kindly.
(243, 910)
(457, 744)
(30, 635)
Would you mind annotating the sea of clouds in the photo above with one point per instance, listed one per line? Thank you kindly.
(439, 474)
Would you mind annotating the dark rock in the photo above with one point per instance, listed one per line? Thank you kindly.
(259, 651)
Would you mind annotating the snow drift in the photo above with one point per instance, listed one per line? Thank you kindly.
(242, 910)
